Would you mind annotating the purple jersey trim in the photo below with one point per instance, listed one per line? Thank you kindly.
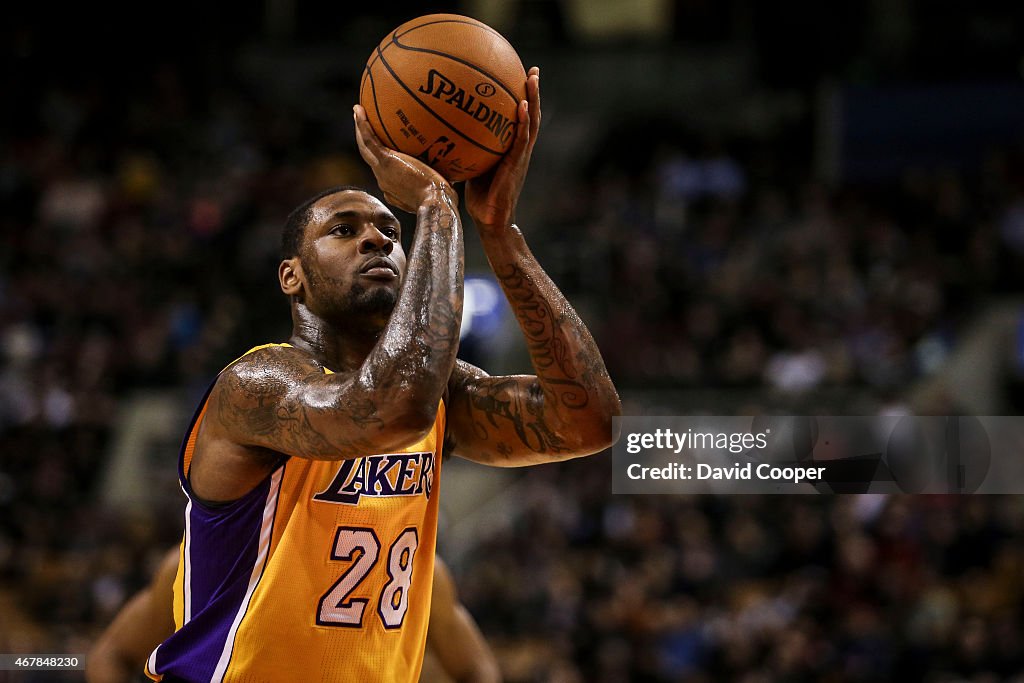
(222, 546)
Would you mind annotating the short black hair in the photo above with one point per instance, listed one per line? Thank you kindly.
(291, 236)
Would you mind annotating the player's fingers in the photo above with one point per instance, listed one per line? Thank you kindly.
(369, 136)
(364, 150)
(523, 126)
(533, 97)
(369, 145)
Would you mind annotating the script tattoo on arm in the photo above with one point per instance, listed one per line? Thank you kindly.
(546, 337)
(565, 409)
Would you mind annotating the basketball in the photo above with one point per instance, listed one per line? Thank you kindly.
(445, 89)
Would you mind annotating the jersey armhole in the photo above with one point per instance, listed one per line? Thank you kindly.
(208, 504)
(192, 433)
(217, 505)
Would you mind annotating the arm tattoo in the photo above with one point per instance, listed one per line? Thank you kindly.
(566, 409)
(417, 349)
(499, 402)
(545, 337)
(259, 400)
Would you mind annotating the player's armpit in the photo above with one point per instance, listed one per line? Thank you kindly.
(507, 421)
(280, 399)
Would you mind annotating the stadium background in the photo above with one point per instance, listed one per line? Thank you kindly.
(756, 206)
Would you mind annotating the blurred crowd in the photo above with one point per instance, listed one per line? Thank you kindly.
(139, 245)
(715, 273)
(587, 587)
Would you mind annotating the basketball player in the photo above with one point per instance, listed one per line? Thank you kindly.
(456, 650)
(311, 467)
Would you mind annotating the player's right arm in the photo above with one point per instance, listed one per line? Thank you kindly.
(280, 399)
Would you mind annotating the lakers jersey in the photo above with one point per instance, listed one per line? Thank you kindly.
(322, 572)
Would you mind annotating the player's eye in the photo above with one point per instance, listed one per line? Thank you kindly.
(390, 233)
(342, 230)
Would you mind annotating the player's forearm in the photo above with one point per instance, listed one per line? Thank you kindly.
(565, 358)
(483, 667)
(120, 652)
(416, 352)
(106, 665)
(483, 672)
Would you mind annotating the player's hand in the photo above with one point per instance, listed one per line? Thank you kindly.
(405, 181)
(491, 198)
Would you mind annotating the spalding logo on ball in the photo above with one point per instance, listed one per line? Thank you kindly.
(445, 89)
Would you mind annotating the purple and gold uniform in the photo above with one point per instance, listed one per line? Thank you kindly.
(322, 572)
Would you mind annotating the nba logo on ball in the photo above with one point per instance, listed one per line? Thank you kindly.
(445, 88)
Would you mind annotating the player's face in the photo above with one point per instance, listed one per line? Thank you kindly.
(352, 257)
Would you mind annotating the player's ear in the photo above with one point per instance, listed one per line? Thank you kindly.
(291, 277)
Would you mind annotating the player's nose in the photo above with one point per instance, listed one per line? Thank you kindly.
(374, 240)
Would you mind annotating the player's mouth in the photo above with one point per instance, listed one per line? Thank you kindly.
(380, 269)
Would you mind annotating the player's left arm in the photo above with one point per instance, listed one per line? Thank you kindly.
(144, 622)
(565, 410)
(454, 638)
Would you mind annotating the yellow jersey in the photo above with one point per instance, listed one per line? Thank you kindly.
(322, 572)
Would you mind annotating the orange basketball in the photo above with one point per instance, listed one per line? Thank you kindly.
(445, 89)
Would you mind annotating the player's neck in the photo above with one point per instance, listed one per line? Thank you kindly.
(339, 347)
